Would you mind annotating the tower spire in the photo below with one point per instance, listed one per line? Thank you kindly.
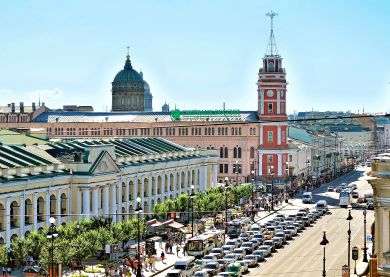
(272, 50)
(128, 62)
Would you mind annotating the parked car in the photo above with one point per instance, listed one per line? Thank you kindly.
(244, 266)
(251, 259)
(278, 242)
(339, 188)
(355, 194)
(248, 246)
(239, 252)
(370, 205)
(260, 255)
(266, 248)
(218, 251)
(212, 268)
(330, 188)
(270, 243)
(222, 264)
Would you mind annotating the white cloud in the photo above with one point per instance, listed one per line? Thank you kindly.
(5, 91)
(46, 94)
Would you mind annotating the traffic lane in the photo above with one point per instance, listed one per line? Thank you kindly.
(303, 256)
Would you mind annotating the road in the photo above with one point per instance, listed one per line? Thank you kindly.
(303, 256)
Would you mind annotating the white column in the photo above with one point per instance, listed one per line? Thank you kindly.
(169, 184)
(175, 186)
(142, 192)
(59, 217)
(106, 191)
(120, 200)
(79, 201)
(260, 169)
(35, 211)
(279, 134)
(22, 210)
(155, 188)
(113, 203)
(47, 207)
(215, 175)
(127, 198)
(177, 181)
(196, 181)
(163, 187)
(150, 197)
(8, 222)
(261, 135)
(190, 178)
(86, 203)
(95, 201)
(203, 177)
(261, 101)
(69, 205)
(186, 180)
(280, 172)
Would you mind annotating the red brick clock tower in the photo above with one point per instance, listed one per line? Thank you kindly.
(271, 109)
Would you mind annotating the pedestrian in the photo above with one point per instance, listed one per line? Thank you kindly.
(106, 271)
(9, 271)
(178, 247)
(153, 261)
(4, 271)
(185, 249)
(162, 257)
(135, 265)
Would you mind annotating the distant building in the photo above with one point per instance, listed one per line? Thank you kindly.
(128, 90)
(75, 108)
(165, 108)
(148, 97)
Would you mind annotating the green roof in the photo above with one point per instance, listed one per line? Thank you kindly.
(14, 138)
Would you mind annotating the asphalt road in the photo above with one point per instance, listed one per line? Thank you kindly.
(303, 256)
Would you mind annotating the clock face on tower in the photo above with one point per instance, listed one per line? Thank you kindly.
(270, 93)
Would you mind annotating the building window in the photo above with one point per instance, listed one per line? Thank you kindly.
(270, 136)
(282, 108)
(289, 158)
(239, 131)
(221, 152)
(226, 168)
(283, 136)
(269, 158)
(252, 153)
(239, 152)
(226, 152)
(270, 106)
(221, 168)
(235, 152)
(237, 168)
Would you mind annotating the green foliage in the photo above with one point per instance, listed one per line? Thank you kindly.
(92, 270)
(3, 255)
(20, 250)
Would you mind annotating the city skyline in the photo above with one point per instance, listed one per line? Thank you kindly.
(72, 58)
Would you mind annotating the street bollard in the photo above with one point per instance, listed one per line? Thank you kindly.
(345, 272)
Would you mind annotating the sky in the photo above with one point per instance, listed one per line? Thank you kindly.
(196, 54)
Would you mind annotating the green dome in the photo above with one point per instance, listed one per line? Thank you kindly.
(128, 74)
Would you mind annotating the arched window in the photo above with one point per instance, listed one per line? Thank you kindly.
(239, 152)
(239, 131)
(271, 66)
(232, 131)
(235, 152)
(252, 153)
(221, 152)
(226, 152)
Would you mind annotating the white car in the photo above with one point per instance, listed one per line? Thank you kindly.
(244, 266)
(251, 259)
(231, 258)
(266, 249)
(210, 258)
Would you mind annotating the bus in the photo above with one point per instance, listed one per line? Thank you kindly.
(345, 198)
(235, 227)
(202, 244)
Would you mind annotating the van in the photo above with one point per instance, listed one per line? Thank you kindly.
(322, 206)
(307, 197)
(186, 265)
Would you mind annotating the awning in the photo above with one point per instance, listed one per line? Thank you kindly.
(153, 223)
(176, 225)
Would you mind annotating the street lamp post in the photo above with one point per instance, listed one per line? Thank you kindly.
(365, 237)
(226, 203)
(138, 211)
(324, 242)
(253, 198)
(192, 196)
(52, 234)
(349, 218)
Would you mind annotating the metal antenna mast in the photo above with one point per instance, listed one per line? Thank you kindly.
(272, 49)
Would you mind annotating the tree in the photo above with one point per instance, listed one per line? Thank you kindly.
(20, 250)
(3, 255)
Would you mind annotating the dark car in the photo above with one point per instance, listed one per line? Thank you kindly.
(370, 205)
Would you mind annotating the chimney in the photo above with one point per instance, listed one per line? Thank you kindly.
(33, 106)
(21, 107)
(12, 107)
